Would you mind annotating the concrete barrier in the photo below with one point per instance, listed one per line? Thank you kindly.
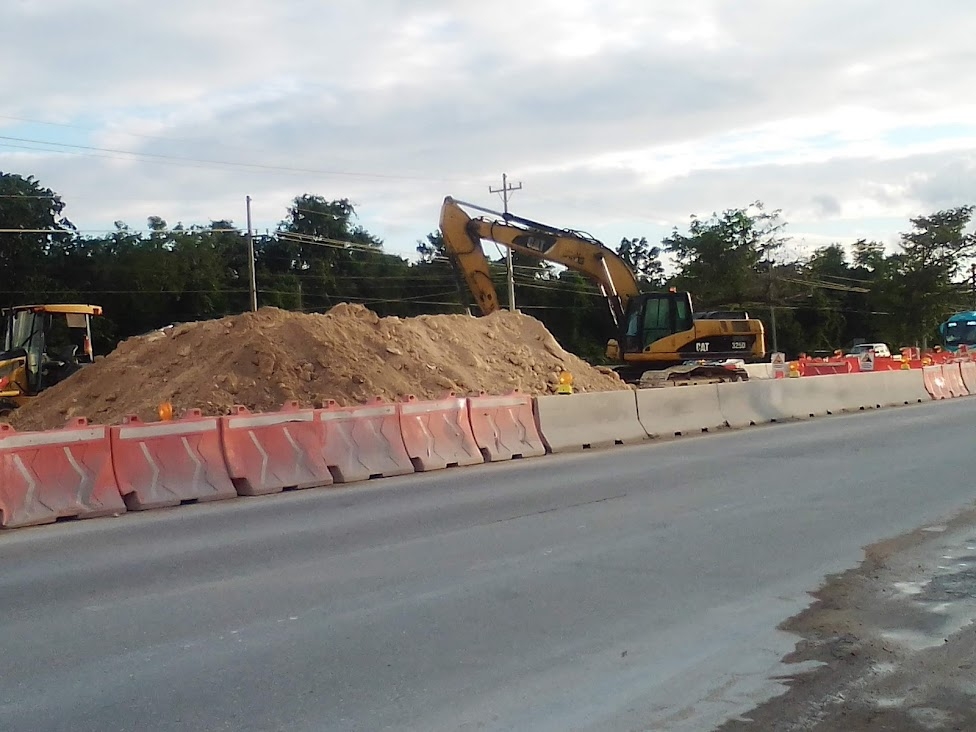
(679, 410)
(821, 395)
(905, 387)
(573, 422)
(753, 402)
(860, 391)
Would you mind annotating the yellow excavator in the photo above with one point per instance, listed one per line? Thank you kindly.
(660, 339)
(42, 345)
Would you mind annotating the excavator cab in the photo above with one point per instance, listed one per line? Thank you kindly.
(663, 327)
(652, 317)
(42, 345)
(662, 338)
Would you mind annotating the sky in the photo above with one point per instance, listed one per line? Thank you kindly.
(618, 117)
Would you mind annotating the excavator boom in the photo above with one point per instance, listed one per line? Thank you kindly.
(572, 249)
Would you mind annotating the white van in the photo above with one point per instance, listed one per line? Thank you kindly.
(880, 350)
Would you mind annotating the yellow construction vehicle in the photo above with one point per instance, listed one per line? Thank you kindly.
(42, 345)
(659, 336)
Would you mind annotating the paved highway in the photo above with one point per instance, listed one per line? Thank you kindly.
(637, 588)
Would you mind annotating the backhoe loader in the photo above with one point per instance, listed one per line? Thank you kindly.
(41, 345)
(659, 339)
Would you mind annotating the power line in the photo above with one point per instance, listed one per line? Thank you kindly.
(106, 157)
(173, 232)
(190, 140)
(226, 163)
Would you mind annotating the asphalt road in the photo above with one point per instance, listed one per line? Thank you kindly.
(637, 588)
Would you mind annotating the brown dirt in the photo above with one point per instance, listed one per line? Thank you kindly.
(350, 354)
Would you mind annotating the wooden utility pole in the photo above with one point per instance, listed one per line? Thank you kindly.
(505, 190)
(973, 284)
(252, 275)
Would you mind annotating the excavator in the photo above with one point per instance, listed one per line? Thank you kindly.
(659, 340)
(41, 345)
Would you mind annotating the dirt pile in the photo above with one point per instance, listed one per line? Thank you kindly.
(349, 354)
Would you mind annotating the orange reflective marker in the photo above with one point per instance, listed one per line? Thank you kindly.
(166, 411)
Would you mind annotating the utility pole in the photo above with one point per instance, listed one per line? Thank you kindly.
(505, 190)
(973, 285)
(772, 306)
(252, 275)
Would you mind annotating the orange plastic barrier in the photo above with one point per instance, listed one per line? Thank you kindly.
(65, 473)
(968, 370)
(504, 427)
(826, 368)
(953, 380)
(169, 463)
(886, 364)
(268, 453)
(360, 443)
(437, 433)
(935, 383)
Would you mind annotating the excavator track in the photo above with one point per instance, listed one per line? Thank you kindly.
(681, 375)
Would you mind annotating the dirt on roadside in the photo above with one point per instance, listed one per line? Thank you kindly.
(350, 355)
(895, 641)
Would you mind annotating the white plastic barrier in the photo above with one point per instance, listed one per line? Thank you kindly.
(759, 370)
(679, 410)
(571, 422)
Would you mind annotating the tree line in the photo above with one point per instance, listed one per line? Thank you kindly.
(319, 255)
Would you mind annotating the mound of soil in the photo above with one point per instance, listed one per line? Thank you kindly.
(349, 355)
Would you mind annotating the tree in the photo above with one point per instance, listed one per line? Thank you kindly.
(933, 253)
(37, 212)
(823, 306)
(721, 258)
(644, 260)
(432, 247)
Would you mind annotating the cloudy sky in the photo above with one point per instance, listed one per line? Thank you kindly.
(620, 117)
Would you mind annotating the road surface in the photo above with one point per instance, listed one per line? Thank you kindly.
(637, 588)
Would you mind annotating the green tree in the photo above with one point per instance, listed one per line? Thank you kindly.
(933, 255)
(36, 232)
(721, 259)
(644, 260)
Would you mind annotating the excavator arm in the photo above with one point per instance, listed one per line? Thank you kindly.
(574, 250)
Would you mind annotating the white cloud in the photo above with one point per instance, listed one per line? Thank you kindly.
(620, 117)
